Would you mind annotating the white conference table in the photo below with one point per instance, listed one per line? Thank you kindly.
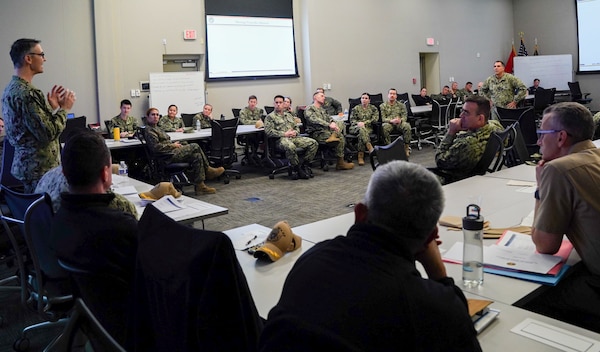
(521, 172)
(421, 109)
(204, 133)
(195, 210)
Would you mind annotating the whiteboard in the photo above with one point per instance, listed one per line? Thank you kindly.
(184, 89)
(554, 71)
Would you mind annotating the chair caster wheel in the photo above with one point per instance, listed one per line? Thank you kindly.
(226, 181)
(21, 344)
(271, 177)
(237, 177)
(294, 176)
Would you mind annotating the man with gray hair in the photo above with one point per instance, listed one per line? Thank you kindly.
(567, 202)
(363, 291)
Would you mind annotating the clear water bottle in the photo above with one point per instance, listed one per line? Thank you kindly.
(123, 170)
(345, 113)
(472, 225)
(222, 117)
(198, 127)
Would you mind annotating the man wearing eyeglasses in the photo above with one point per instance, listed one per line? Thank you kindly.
(33, 123)
(466, 139)
(568, 202)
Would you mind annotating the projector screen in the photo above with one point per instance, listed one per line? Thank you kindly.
(240, 47)
(588, 27)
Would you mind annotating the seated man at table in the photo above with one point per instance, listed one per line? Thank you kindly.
(363, 292)
(204, 117)
(159, 141)
(394, 117)
(171, 123)
(252, 115)
(323, 129)
(444, 97)
(466, 91)
(127, 124)
(536, 84)
(332, 106)
(422, 98)
(466, 139)
(87, 232)
(568, 202)
(281, 124)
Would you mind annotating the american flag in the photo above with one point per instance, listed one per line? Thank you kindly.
(522, 50)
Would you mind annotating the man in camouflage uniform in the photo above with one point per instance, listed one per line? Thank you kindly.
(204, 117)
(54, 183)
(444, 97)
(281, 124)
(33, 124)
(160, 142)
(331, 105)
(251, 115)
(466, 139)
(127, 124)
(394, 117)
(321, 128)
(171, 123)
(362, 118)
(500, 88)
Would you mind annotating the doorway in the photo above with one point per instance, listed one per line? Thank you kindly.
(429, 67)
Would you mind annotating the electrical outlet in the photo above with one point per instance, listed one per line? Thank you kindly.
(137, 92)
(164, 42)
(132, 93)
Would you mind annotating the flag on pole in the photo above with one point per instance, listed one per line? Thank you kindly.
(509, 63)
(522, 50)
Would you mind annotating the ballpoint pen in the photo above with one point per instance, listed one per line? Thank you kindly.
(252, 239)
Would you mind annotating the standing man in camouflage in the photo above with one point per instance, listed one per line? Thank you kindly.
(33, 123)
(394, 117)
(323, 129)
(362, 118)
(504, 89)
(160, 142)
(281, 124)
(466, 139)
(331, 105)
(127, 124)
(171, 123)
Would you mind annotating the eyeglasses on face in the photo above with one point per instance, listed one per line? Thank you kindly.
(38, 54)
(541, 133)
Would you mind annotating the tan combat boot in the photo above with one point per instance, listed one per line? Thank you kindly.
(201, 188)
(343, 165)
(407, 150)
(361, 158)
(369, 147)
(212, 173)
(333, 138)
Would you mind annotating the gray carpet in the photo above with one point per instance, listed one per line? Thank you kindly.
(252, 199)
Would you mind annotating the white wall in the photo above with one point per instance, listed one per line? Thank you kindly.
(354, 45)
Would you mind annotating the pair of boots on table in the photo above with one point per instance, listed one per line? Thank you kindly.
(211, 174)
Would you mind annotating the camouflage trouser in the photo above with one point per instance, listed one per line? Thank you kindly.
(29, 185)
(289, 145)
(193, 154)
(403, 128)
(321, 137)
(364, 137)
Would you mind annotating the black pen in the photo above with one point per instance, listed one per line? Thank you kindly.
(252, 239)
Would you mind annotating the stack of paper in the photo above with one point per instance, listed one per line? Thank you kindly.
(514, 255)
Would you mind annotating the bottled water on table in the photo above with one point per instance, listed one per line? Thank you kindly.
(123, 170)
(473, 247)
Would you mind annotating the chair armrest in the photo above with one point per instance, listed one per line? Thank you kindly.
(585, 95)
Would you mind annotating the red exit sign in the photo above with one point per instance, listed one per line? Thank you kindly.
(189, 34)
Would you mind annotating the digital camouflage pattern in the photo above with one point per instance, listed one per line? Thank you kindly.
(501, 91)
(457, 155)
(249, 117)
(160, 142)
(392, 111)
(128, 125)
(367, 115)
(168, 125)
(332, 106)
(318, 120)
(204, 120)
(277, 124)
(54, 183)
(33, 130)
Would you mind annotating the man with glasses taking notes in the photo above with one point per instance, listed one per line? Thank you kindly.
(568, 202)
(33, 123)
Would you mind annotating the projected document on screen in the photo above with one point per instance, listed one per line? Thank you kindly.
(250, 47)
(588, 28)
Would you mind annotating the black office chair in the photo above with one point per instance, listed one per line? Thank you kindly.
(6, 177)
(577, 95)
(49, 288)
(527, 123)
(188, 119)
(109, 128)
(515, 150)
(437, 125)
(236, 112)
(191, 294)
(71, 127)
(382, 154)
(542, 98)
(222, 146)
(159, 165)
(269, 109)
(325, 152)
(84, 327)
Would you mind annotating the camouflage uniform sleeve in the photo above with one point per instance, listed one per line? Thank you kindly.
(402, 112)
(315, 118)
(485, 88)
(165, 124)
(386, 112)
(43, 125)
(121, 203)
(456, 153)
(336, 105)
(157, 141)
(520, 87)
(272, 127)
(245, 117)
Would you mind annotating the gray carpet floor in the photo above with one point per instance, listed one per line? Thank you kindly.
(252, 199)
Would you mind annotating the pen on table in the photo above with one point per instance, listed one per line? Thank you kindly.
(252, 239)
